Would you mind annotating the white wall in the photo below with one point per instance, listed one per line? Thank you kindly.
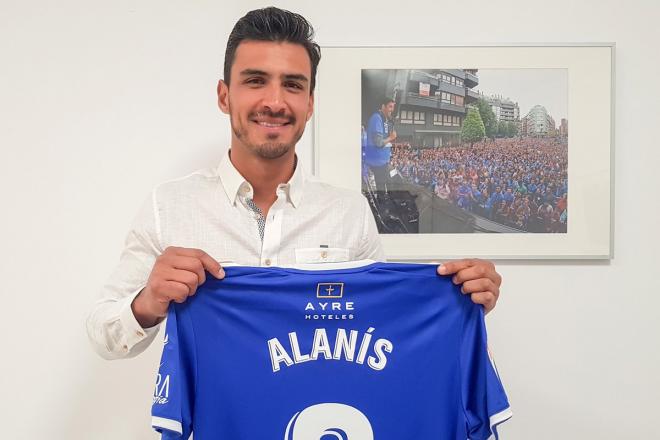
(99, 101)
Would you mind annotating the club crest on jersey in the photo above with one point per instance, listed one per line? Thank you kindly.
(330, 290)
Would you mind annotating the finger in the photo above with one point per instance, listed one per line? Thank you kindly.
(209, 263)
(451, 267)
(190, 264)
(173, 291)
(188, 252)
(181, 294)
(481, 285)
(474, 273)
(486, 299)
(212, 266)
(184, 277)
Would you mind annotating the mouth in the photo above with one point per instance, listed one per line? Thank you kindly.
(272, 128)
(271, 122)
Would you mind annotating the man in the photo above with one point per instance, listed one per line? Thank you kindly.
(493, 202)
(476, 199)
(256, 207)
(463, 197)
(508, 196)
(378, 150)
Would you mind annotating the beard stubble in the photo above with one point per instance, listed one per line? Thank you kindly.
(271, 149)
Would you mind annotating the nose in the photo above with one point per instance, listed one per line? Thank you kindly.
(273, 98)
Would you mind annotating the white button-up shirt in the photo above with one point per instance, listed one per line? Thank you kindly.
(212, 210)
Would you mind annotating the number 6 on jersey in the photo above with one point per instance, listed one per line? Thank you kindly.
(329, 421)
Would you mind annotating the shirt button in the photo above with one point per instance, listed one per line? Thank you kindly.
(125, 347)
(324, 254)
(139, 332)
(267, 261)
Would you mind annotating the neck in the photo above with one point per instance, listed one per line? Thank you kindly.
(263, 174)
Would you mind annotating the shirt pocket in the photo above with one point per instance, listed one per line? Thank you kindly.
(322, 255)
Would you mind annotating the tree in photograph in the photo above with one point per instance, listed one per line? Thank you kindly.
(488, 117)
(507, 129)
(473, 127)
(512, 129)
(501, 129)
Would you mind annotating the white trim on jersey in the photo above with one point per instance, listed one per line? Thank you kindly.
(498, 418)
(169, 424)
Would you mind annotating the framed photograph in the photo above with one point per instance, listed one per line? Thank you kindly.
(499, 152)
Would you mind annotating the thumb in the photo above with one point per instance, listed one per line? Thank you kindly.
(451, 267)
(212, 266)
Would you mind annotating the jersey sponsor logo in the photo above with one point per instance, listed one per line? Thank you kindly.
(329, 421)
(329, 290)
(162, 391)
(337, 310)
(344, 348)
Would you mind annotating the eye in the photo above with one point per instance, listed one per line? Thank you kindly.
(293, 85)
(255, 80)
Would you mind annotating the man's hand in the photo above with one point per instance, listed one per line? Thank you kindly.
(392, 136)
(479, 279)
(175, 276)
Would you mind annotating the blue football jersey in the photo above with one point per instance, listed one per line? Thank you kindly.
(383, 351)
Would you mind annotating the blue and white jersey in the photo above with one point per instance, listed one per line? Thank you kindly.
(383, 351)
(376, 155)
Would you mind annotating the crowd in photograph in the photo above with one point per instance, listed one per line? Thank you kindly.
(519, 182)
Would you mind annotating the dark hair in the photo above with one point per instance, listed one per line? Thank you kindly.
(386, 100)
(273, 24)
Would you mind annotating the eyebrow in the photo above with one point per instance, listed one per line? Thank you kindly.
(289, 76)
(296, 76)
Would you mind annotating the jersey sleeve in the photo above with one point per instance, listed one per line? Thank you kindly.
(485, 403)
(375, 132)
(175, 383)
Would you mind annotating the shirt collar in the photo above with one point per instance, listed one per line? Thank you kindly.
(235, 184)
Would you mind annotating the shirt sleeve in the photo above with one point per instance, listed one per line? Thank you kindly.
(111, 325)
(174, 394)
(375, 132)
(485, 403)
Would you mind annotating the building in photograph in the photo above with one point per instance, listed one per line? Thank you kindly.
(505, 109)
(430, 104)
(563, 128)
(538, 123)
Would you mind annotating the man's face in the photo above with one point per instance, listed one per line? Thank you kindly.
(387, 109)
(268, 99)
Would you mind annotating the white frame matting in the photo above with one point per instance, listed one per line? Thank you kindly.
(337, 158)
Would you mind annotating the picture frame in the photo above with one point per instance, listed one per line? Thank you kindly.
(339, 143)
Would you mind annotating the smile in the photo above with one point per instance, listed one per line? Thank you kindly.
(271, 124)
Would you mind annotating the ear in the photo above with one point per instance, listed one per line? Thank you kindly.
(223, 96)
(310, 109)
